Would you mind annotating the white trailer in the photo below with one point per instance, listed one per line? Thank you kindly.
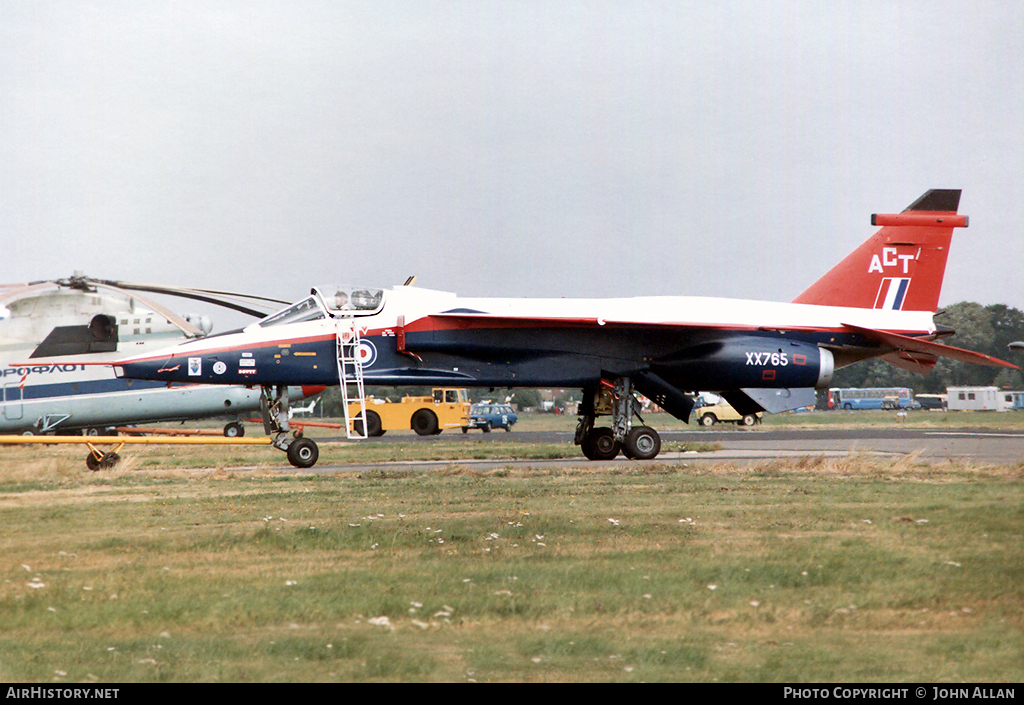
(979, 399)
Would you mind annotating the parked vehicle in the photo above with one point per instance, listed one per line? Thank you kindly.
(711, 412)
(487, 415)
(980, 399)
(427, 416)
(870, 398)
(931, 401)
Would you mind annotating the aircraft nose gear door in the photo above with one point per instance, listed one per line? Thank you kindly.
(350, 377)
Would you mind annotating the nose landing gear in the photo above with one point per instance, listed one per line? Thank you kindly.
(302, 452)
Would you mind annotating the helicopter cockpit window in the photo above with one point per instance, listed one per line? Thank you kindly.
(352, 300)
(305, 310)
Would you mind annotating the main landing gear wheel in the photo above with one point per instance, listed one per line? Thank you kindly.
(303, 453)
(642, 443)
(234, 430)
(615, 399)
(600, 444)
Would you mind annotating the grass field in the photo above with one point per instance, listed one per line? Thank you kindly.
(848, 571)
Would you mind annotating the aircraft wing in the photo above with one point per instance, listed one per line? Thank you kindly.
(909, 353)
(648, 380)
(921, 363)
(454, 321)
(914, 353)
(475, 319)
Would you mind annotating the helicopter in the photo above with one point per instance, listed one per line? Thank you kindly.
(51, 328)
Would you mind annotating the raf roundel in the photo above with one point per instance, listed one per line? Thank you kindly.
(367, 353)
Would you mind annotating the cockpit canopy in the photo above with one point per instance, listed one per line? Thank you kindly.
(338, 303)
(345, 301)
(306, 310)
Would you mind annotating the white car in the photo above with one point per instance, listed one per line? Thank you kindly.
(722, 412)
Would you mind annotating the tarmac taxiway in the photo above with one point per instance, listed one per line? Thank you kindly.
(744, 446)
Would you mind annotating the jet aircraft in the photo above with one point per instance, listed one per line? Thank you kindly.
(878, 302)
(56, 326)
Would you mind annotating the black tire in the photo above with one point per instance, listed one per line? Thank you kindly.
(303, 453)
(424, 423)
(708, 420)
(748, 420)
(110, 460)
(642, 443)
(105, 431)
(234, 430)
(92, 463)
(600, 444)
(486, 427)
(374, 426)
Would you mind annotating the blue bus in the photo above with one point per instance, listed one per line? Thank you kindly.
(870, 398)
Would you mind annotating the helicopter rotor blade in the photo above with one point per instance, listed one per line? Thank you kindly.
(206, 295)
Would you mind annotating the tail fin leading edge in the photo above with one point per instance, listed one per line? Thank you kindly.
(901, 266)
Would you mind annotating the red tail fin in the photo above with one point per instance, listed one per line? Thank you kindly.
(901, 266)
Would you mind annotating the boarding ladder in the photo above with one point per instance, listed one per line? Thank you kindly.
(350, 376)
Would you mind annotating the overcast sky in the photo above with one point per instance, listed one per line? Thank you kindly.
(506, 148)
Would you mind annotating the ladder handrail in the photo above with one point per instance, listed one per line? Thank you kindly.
(348, 342)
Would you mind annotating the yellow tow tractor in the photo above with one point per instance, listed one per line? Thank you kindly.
(427, 416)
